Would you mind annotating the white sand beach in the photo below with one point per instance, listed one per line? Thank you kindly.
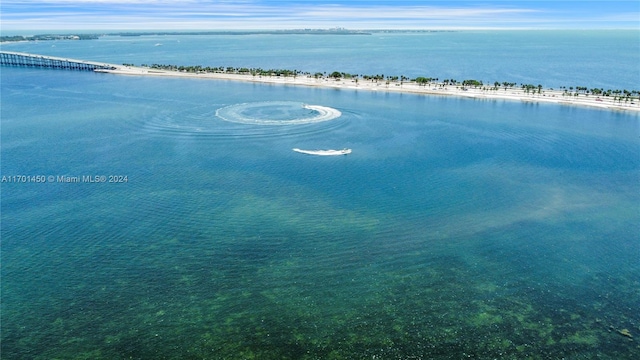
(515, 93)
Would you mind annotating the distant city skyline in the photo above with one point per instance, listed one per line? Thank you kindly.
(72, 15)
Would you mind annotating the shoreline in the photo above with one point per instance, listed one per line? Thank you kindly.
(510, 94)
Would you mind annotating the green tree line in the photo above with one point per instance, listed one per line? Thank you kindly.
(619, 95)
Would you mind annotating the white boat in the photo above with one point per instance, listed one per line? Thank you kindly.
(324, 152)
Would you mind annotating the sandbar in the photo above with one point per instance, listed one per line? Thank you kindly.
(515, 94)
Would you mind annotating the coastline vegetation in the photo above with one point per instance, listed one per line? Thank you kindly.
(46, 37)
(572, 91)
(330, 31)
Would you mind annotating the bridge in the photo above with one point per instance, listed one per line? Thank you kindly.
(10, 58)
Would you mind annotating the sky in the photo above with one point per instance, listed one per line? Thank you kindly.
(32, 15)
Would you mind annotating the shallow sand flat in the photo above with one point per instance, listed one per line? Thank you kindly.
(515, 94)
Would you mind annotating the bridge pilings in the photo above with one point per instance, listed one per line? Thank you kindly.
(31, 60)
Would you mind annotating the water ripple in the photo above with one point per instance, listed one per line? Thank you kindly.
(246, 120)
(277, 113)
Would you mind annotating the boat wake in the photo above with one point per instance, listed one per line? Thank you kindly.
(277, 113)
(324, 152)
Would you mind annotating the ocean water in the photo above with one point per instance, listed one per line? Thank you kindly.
(596, 59)
(456, 228)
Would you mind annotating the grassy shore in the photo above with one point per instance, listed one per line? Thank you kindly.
(446, 88)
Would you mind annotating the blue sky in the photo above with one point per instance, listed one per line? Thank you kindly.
(289, 14)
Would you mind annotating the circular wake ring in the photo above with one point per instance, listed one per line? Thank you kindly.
(277, 113)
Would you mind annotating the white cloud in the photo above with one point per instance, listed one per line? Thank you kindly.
(407, 12)
(192, 14)
(79, 2)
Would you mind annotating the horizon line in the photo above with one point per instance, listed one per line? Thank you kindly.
(4, 32)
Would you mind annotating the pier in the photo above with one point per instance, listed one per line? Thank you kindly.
(10, 58)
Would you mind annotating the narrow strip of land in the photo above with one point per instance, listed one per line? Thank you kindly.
(513, 93)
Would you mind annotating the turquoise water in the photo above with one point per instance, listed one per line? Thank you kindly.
(595, 59)
(456, 228)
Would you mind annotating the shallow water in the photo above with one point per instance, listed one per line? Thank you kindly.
(456, 227)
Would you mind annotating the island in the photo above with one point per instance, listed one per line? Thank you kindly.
(470, 88)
